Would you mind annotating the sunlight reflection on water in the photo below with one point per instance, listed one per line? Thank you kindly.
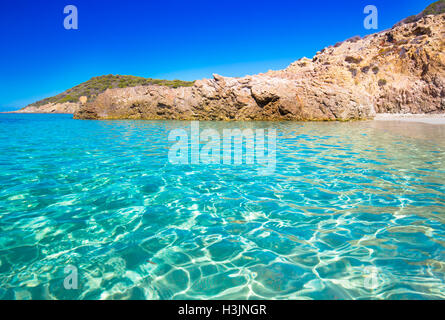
(348, 204)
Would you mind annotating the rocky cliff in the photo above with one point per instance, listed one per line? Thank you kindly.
(401, 70)
(71, 100)
(65, 107)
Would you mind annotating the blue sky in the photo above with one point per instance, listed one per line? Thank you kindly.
(169, 39)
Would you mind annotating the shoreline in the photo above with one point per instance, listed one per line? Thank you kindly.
(16, 112)
(434, 119)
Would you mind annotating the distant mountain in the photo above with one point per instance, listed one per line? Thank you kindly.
(70, 99)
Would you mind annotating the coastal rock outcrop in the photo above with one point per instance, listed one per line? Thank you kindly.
(72, 99)
(66, 107)
(401, 70)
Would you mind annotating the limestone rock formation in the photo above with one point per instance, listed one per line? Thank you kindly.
(66, 107)
(401, 70)
(71, 100)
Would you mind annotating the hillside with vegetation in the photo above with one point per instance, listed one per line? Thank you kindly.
(397, 71)
(95, 86)
(435, 8)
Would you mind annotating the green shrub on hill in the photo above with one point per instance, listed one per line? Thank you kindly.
(435, 8)
(96, 85)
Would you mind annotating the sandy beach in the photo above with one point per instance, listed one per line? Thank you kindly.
(437, 119)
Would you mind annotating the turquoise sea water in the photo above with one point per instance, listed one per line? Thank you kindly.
(353, 210)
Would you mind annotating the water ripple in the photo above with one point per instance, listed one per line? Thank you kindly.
(353, 211)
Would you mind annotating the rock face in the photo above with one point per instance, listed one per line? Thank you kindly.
(401, 70)
(67, 107)
(72, 99)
